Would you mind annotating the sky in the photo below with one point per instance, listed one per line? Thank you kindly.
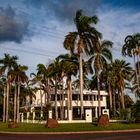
(34, 30)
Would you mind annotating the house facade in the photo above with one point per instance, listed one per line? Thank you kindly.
(90, 101)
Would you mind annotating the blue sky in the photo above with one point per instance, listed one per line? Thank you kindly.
(34, 30)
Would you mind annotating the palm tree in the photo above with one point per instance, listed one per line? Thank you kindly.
(83, 40)
(37, 82)
(3, 89)
(43, 79)
(123, 72)
(131, 48)
(70, 68)
(100, 57)
(18, 75)
(56, 72)
(134, 84)
(7, 64)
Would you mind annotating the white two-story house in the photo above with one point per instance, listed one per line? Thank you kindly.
(90, 101)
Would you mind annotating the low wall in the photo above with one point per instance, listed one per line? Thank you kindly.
(119, 121)
(61, 121)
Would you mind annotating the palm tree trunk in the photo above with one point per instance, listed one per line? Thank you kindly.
(70, 93)
(56, 111)
(99, 96)
(18, 103)
(110, 96)
(122, 98)
(48, 91)
(68, 99)
(138, 72)
(137, 77)
(114, 102)
(41, 102)
(48, 97)
(119, 101)
(7, 101)
(62, 105)
(81, 84)
(15, 102)
(4, 105)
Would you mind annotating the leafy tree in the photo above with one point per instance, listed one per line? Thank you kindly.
(100, 57)
(7, 64)
(18, 76)
(131, 48)
(123, 72)
(83, 40)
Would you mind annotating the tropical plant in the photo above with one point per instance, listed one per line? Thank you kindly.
(100, 57)
(56, 72)
(70, 68)
(123, 72)
(83, 40)
(7, 64)
(131, 48)
(18, 76)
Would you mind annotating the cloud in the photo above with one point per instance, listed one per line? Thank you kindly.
(64, 10)
(116, 24)
(12, 28)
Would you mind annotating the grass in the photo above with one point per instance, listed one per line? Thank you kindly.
(24, 127)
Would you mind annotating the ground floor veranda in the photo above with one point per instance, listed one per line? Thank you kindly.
(36, 113)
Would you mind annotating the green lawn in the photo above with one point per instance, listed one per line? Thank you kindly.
(24, 127)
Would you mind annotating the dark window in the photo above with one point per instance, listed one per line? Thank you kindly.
(91, 97)
(85, 97)
(52, 97)
(75, 97)
(94, 97)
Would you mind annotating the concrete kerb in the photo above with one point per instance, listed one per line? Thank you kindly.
(67, 133)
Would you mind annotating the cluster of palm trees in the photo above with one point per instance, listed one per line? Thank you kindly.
(11, 73)
(89, 55)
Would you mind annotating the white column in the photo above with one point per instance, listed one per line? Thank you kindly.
(96, 112)
(21, 117)
(70, 115)
(66, 113)
(50, 114)
(28, 113)
(41, 114)
(33, 117)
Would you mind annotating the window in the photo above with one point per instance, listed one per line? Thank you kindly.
(85, 98)
(52, 97)
(94, 97)
(75, 97)
(91, 97)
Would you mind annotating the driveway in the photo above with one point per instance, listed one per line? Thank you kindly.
(101, 136)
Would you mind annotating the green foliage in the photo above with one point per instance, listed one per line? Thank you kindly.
(136, 110)
(124, 114)
(128, 101)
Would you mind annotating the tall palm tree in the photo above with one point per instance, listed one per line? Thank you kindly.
(18, 75)
(83, 40)
(109, 77)
(7, 64)
(36, 81)
(123, 72)
(3, 89)
(56, 72)
(44, 79)
(135, 83)
(100, 57)
(70, 68)
(131, 48)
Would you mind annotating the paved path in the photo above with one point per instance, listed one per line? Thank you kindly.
(90, 136)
